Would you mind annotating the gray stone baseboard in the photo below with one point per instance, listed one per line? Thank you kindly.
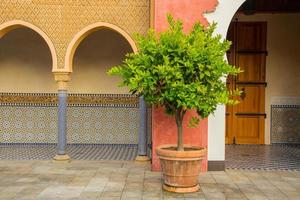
(216, 165)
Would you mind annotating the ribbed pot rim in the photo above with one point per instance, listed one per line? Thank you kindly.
(199, 152)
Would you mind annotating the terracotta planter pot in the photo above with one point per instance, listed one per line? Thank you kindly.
(180, 169)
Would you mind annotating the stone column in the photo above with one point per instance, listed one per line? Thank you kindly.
(62, 79)
(142, 145)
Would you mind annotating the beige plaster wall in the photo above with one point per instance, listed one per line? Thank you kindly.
(25, 63)
(94, 56)
(283, 60)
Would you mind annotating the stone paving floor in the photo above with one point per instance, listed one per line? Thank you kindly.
(87, 180)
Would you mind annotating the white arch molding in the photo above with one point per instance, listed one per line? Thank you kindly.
(223, 15)
(86, 32)
(14, 24)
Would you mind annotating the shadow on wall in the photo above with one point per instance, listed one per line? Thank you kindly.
(25, 63)
(94, 56)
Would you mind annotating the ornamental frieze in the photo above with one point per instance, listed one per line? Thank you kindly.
(48, 99)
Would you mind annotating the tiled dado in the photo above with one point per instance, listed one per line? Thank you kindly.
(91, 119)
(285, 124)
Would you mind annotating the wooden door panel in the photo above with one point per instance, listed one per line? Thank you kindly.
(248, 129)
(247, 126)
(245, 121)
(251, 99)
(253, 67)
(251, 36)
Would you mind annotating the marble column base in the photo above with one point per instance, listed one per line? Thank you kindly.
(142, 159)
(62, 159)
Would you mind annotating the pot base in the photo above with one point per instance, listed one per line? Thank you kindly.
(181, 189)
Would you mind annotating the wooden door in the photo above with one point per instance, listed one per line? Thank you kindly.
(245, 121)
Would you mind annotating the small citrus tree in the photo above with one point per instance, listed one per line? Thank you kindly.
(180, 71)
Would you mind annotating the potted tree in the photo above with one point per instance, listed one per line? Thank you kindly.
(180, 71)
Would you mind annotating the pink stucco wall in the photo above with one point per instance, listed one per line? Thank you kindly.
(189, 11)
(164, 129)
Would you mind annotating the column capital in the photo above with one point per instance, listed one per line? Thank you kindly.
(62, 79)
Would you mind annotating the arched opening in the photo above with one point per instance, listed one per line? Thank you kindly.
(86, 32)
(96, 54)
(109, 120)
(26, 63)
(15, 24)
(265, 37)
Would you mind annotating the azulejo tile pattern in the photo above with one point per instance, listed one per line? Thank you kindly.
(102, 125)
(28, 124)
(285, 124)
(91, 119)
(263, 157)
(62, 19)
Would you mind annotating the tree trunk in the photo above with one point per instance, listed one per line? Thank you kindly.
(179, 118)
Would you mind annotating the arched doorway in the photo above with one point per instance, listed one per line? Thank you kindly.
(265, 45)
(103, 123)
(100, 112)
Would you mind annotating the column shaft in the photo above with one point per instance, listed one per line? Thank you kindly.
(62, 122)
(142, 146)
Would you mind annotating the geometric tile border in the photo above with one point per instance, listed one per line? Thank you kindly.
(263, 157)
(76, 152)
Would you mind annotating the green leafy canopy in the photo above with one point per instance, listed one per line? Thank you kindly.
(180, 71)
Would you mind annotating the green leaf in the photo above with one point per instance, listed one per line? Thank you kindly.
(180, 70)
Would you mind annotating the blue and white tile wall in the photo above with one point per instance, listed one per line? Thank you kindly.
(285, 124)
(86, 124)
(102, 125)
(28, 124)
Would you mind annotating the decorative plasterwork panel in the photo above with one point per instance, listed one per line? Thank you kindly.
(62, 19)
(46, 99)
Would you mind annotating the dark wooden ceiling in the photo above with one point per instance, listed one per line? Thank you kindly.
(270, 6)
